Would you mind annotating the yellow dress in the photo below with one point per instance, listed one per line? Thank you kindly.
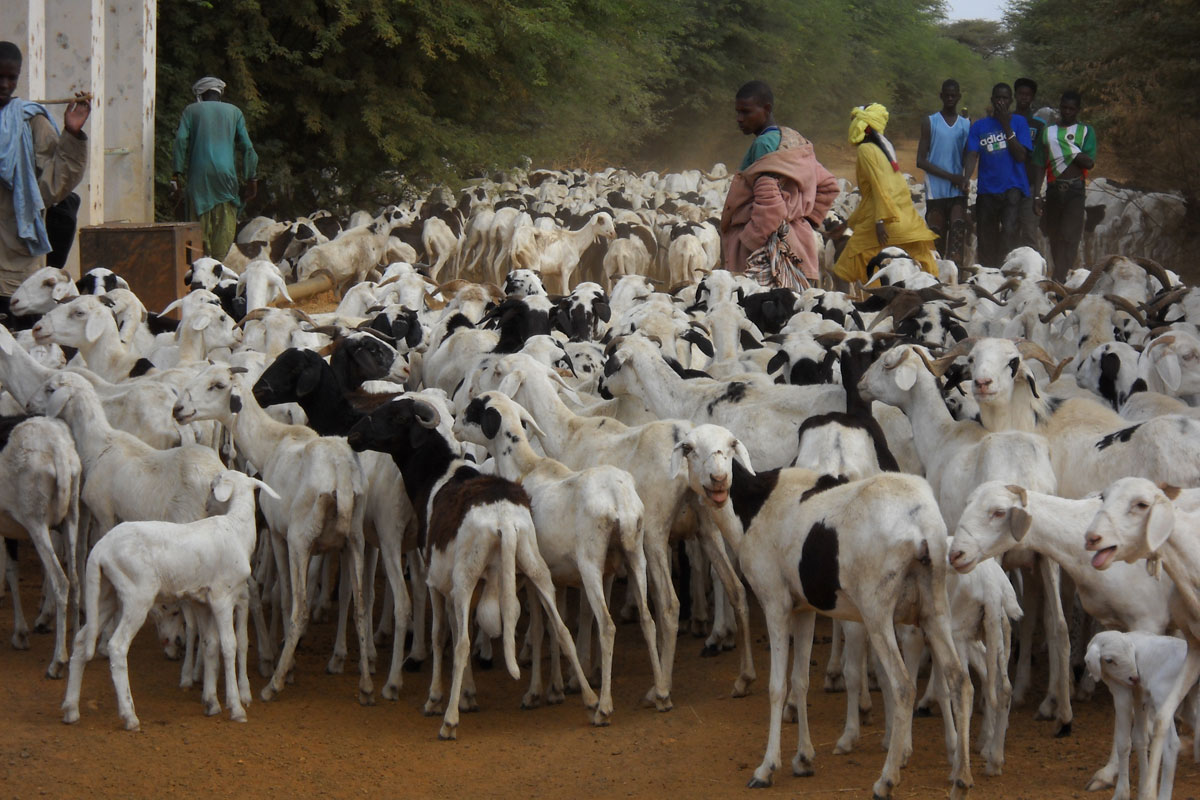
(885, 196)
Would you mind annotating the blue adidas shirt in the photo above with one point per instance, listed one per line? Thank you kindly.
(998, 170)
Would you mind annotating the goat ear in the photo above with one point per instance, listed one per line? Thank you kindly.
(61, 290)
(1168, 370)
(511, 383)
(1019, 522)
(199, 323)
(1159, 524)
(94, 328)
(490, 423)
(780, 359)
(58, 400)
(222, 489)
(308, 380)
(529, 423)
(1092, 660)
(905, 375)
(742, 455)
(678, 457)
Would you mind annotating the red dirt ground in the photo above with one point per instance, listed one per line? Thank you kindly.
(315, 740)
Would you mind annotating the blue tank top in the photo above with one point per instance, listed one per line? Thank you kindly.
(946, 145)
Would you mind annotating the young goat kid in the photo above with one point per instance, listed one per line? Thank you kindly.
(137, 563)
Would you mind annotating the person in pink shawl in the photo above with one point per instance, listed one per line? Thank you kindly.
(780, 181)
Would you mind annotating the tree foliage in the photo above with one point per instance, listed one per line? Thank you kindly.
(348, 101)
(987, 37)
(1137, 66)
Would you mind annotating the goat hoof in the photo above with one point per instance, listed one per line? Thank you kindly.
(802, 767)
(235, 716)
(432, 706)
(663, 703)
(448, 733)
(268, 693)
(413, 665)
(70, 716)
(391, 692)
(20, 641)
(366, 697)
(1063, 731)
(992, 770)
(600, 719)
(55, 670)
(530, 702)
(759, 783)
(211, 708)
(555, 696)
(709, 651)
(741, 688)
(1096, 784)
(844, 745)
(833, 685)
(336, 665)
(132, 723)
(42, 627)
(186, 683)
(922, 711)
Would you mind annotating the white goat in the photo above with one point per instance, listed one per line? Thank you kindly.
(136, 563)
(321, 484)
(580, 518)
(871, 551)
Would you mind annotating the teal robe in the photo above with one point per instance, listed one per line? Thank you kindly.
(210, 132)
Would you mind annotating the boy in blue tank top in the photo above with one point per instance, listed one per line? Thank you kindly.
(999, 144)
(940, 154)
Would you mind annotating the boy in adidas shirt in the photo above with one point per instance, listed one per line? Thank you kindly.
(999, 144)
(1064, 154)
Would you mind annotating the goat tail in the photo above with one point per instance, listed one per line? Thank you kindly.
(91, 605)
(510, 607)
(345, 497)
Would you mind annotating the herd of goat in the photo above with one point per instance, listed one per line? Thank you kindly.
(937, 464)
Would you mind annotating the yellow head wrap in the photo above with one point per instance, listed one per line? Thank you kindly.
(874, 116)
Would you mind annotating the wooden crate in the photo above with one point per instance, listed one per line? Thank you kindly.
(153, 257)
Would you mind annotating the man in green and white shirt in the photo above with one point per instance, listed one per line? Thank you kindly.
(1064, 153)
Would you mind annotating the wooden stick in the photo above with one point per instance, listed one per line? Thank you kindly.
(86, 97)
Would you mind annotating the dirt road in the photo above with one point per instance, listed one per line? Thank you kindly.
(316, 741)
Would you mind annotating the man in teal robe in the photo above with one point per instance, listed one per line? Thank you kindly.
(210, 134)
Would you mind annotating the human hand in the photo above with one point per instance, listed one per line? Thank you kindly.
(961, 182)
(881, 233)
(1001, 111)
(76, 114)
(1038, 205)
(250, 190)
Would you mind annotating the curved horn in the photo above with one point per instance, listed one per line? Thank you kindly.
(495, 292)
(983, 294)
(1128, 307)
(1154, 268)
(1166, 299)
(1051, 285)
(1030, 349)
(1068, 302)
(1095, 274)
(426, 413)
(1008, 285)
(256, 314)
(304, 317)
(939, 365)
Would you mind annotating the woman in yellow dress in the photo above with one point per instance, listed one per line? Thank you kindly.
(885, 216)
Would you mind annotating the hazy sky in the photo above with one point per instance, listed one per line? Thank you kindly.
(976, 9)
